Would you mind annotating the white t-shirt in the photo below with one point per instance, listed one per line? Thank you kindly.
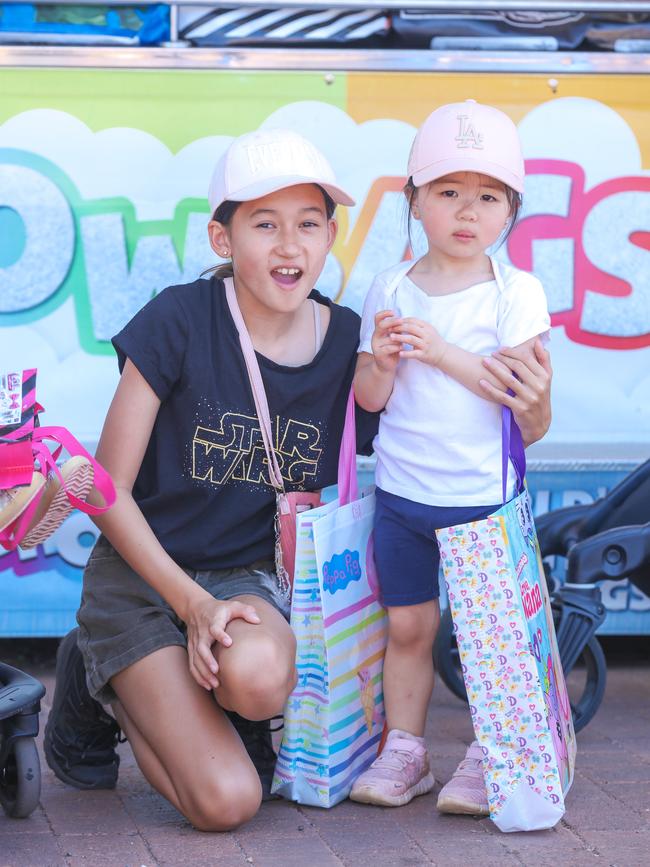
(439, 443)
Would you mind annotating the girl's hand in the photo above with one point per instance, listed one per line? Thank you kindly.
(206, 624)
(526, 371)
(428, 345)
(385, 347)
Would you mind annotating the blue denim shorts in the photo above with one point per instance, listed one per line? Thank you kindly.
(406, 551)
(123, 619)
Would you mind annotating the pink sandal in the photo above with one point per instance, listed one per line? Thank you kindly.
(14, 501)
(59, 491)
(36, 495)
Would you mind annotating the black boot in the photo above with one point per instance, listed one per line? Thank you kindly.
(80, 737)
(256, 737)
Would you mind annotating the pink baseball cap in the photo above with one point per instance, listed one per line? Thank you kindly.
(467, 137)
(267, 160)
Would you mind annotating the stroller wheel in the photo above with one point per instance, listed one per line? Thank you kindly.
(20, 779)
(586, 683)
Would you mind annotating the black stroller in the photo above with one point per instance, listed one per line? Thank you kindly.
(608, 539)
(20, 770)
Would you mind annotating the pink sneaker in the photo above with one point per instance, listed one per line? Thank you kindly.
(396, 776)
(465, 792)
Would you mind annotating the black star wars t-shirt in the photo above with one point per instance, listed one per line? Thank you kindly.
(203, 485)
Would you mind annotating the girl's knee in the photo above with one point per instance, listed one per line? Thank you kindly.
(257, 679)
(224, 804)
(413, 625)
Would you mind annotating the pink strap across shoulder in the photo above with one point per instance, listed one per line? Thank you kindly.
(347, 474)
(257, 385)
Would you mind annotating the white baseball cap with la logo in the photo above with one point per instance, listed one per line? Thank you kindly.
(467, 137)
(267, 160)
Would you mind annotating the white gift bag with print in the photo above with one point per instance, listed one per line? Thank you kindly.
(506, 638)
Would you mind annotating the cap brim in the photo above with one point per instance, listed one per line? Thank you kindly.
(272, 185)
(468, 164)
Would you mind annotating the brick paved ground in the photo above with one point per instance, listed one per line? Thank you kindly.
(607, 820)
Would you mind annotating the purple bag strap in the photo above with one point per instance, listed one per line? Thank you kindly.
(347, 477)
(512, 447)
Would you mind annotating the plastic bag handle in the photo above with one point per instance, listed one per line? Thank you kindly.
(512, 446)
(347, 477)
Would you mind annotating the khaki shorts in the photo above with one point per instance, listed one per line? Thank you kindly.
(123, 619)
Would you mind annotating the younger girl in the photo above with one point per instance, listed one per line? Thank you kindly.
(428, 331)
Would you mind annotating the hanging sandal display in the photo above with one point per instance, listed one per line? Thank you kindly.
(36, 512)
(19, 484)
(74, 478)
(36, 494)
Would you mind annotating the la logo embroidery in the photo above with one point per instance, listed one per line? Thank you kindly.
(468, 136)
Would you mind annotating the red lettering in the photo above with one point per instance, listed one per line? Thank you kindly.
(587, 277)
(532, 601)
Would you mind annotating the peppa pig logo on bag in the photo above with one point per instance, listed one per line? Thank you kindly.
(341, 570)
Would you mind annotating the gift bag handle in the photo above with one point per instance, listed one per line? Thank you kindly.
(347, 473)
(347, 477)
(512, 447)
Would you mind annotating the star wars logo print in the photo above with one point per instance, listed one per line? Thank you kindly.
(468, 136)
(234, 451)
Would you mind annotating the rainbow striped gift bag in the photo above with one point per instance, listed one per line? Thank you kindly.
(334, 718)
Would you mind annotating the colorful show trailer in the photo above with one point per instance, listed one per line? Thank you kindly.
(105, 152)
